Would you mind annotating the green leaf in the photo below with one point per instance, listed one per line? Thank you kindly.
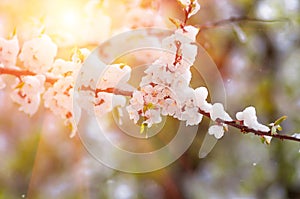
(263, 140)
(281, 119)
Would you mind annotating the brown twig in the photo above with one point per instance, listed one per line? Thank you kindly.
(236, 124)
(216, 24)
(244, 129)
(19, 73)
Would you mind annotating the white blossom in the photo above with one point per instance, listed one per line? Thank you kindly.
(137, 100)
(183, 41)
(248, 116)
(38, 54)
(115, 75)
(267, 139)
(186, 3)
(201, 95)
(59, 99)
(140, 17)
(61, 67)
(9, 50)
(296, 135)
(133, 114)
(153, 117)
(169, 107)
(218, 112)
(80, 55)
(216, 130)
(191, 115)
(105, 102)
(27, 93)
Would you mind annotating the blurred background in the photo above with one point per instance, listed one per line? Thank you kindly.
(260, 66)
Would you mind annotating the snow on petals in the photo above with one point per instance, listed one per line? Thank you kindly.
(201, 94)
(248, 116)
(216, 130)
(296, 135)
(218, 112)
(27, 93)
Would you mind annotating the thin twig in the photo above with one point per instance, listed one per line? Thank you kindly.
(19, 73)
(216, 24)
(245, 129)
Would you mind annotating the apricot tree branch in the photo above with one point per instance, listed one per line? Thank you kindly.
(236, 124)
(19, 73)
(244, 129)
(216, 24)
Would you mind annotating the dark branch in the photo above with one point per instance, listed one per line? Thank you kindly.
(245, 129)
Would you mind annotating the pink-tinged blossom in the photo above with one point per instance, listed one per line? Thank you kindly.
(191, 115)
(180, 43)
(153, 117)
(137, 100)
(218, 112)
(105, 102)
(169, 107)
(9, 50)
(248, 116)
(115, 75)
(61, 67)
(140, 17)
(27, 93)
(59, 99)
(195, 6)
(133, 114)
(38, 54)
(216, 130)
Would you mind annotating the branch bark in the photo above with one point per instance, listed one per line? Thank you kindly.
(19, 73)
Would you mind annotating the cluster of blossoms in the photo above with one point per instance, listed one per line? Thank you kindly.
(163, 91)
(37, 57)
(42, 77)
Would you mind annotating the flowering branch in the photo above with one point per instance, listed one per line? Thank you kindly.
(244, 129)
(216, 24)
(236, 123)
(19, 73)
